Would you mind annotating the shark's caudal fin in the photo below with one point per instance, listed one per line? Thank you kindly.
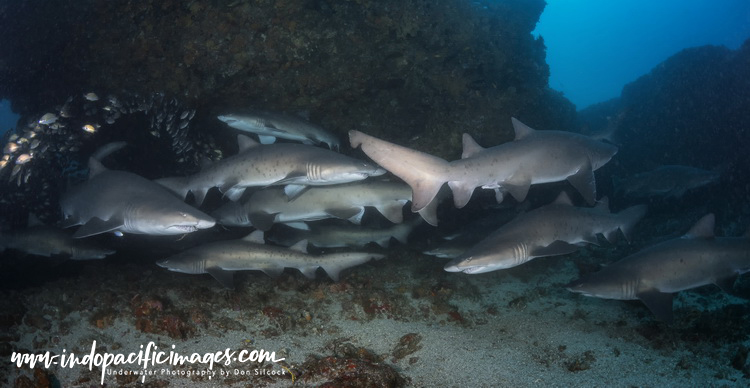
(423, 172)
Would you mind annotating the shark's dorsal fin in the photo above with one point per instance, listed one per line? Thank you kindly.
(563, 199)
(471, 147)
(704, 228)
(262, 220)
(245, 143)
(300, 246)
(267, 139)
(255, 237)
(95, 168)
(522, 130)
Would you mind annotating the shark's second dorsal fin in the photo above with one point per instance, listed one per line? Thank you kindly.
(244, 143)
(300, 246)
(704, 228)
(522, 130)
(255, 237)
(95, 167)
(563, 199)
(471, 147)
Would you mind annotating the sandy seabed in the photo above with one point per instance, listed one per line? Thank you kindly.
(400, 321)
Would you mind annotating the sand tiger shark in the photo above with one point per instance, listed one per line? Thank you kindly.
(533, 157)
(123, 202)
(347, 201)
(48, 241)
(667, 181)
(655, 273)
(269, 126)
(221, 259)
(555, 229)
(295, 166)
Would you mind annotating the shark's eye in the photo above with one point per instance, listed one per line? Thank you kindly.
(184, 215)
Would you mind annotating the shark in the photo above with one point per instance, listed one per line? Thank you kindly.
(123, 202)
(555, 229)
(295, 166)
(48, 241)
(667, 181)
(654, 274)
(341, 236)
(346, 201)
(221, 259)
(269, 126)
(533, 157)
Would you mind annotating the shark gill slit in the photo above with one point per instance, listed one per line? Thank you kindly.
(313, 171)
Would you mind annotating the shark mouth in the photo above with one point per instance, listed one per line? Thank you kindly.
(185, 228)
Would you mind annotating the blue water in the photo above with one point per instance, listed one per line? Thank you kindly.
(7, 117)
(595, 47)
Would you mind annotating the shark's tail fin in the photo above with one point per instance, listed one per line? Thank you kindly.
(423, 172)
(629, 217)
(334, 263)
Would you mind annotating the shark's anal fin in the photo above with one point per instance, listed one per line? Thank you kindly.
(660, 303)
(226, 278)
(97, 226)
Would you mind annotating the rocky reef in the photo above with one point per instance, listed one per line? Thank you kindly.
(400, 69)
(691, 109)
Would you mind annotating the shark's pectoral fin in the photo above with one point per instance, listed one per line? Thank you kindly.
(294, 191)
(97, 226)
(660, 303)
(262, 220)
(392, 211)
(226, 278)
(461, 193)
(235, 193)
(298, 225)
(727, 284)
(556, 248)
(583, 181)
(353, 214)
(265, 139)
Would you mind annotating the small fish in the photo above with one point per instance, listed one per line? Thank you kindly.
(10, 148)
(48, 118)
(91, 96)
(89, 128)
(23, 159)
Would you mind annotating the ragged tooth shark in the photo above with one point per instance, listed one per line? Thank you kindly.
(555, 229)
(655, 273)
(533, 157)
(269, 126)
(667, 181)
(296, 166)
(348, 201)
(340, 236)
(123, 202)
(221, 259)
(46, 240)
